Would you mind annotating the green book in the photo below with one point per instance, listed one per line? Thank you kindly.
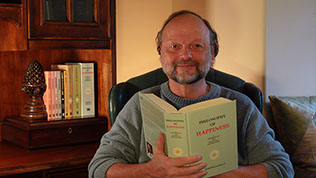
(76, 90)
(207, 128)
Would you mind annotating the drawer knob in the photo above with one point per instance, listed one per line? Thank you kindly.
(70, 130)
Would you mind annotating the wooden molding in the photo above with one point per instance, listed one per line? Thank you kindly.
(12, 13)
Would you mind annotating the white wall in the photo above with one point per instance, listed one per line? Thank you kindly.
(291, 47)
(240, 27)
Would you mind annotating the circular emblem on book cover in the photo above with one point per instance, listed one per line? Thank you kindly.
(214, 154)
(88, 90)
(177, 151)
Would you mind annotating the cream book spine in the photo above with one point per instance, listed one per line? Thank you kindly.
(88, 89)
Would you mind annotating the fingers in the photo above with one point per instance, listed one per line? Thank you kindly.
(194, 169)
(176, 166)
(160, 143)
(182, 161)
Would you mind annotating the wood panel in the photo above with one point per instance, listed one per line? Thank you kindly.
(14, 65)
(13, 27)
(62, 160)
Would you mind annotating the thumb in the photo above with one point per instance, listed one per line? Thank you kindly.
(160, 144)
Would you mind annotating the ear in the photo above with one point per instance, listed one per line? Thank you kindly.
(159, 49)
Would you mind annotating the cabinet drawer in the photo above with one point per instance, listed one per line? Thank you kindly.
(51, 134)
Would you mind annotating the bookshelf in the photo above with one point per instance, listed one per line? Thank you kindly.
(21, 43)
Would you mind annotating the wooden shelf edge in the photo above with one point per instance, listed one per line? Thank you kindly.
(69, 44)
(44, 166)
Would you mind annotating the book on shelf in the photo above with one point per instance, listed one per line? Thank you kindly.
(76, 88)
(52, 93)
(58, 94)
(206, 128)
(87, 86)
(70, 91)
(55, 95)
(62, 93)
(51, 96)
(68, 85)
(47, 95)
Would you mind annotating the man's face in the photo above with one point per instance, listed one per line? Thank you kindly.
(185, 49)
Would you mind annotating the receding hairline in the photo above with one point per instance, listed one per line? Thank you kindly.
(212, 34)
(172, 21)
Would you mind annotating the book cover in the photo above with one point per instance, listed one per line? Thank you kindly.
(52, 89)
(206, 128)
(62, 93)
(70, 91)
(65, 70)
(76, 90)
(87, 89)
(55, 73)
(59, 111)
(46, 95)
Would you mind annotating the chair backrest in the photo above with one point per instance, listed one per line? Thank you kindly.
(122, 92)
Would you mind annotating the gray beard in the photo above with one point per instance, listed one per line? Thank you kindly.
(201, 72)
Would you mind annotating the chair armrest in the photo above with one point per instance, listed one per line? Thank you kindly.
(118, 97)
(255, 94)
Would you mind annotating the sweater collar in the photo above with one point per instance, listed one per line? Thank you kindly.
(179, 102)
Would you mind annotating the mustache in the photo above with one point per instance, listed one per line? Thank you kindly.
(189, 62)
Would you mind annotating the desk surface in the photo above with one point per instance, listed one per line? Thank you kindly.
(15, 159)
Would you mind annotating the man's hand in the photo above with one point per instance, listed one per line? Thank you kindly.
(160, 166)
(164, 166)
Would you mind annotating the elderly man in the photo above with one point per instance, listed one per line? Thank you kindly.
(187, 46)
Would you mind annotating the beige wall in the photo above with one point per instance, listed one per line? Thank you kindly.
(240, 27)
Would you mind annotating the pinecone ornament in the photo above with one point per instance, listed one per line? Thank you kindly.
(34, 80)
(34, 85)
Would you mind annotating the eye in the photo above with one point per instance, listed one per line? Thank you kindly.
(174, 46)
(197, 45)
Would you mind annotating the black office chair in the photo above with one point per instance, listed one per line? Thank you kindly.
(122, 92)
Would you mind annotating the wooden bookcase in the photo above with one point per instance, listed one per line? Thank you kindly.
(53, 45)
(20, 46)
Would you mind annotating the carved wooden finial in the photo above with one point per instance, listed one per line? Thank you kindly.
(34, 85)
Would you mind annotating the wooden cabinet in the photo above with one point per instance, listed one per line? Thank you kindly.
(25, 36)
(80, 23)
(70, 161)
(57, 24)
(49, 48)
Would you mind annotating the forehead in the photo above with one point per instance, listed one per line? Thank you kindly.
(185, 26)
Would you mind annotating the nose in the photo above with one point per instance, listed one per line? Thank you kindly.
(185, 54)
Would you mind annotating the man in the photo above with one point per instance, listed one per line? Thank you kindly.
(187, 46)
